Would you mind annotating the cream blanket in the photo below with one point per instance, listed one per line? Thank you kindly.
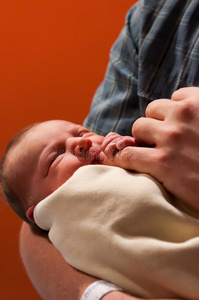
(124, 227)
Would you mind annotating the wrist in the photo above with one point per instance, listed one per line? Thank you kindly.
(98, 289)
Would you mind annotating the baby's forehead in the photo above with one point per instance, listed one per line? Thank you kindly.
(39, 134)
(53, 124)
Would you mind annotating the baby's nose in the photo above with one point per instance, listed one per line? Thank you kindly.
(79, 145)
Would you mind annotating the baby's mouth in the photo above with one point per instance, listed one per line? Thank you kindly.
(95, 162)
(95, 158)
(91, 155)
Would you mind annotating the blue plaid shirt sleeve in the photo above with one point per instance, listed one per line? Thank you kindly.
(156, 53)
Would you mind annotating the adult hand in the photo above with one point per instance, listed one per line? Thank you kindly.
(169, 144)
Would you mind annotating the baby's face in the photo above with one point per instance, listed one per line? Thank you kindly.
(52, 152)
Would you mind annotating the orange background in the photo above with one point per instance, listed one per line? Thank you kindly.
(53, 55)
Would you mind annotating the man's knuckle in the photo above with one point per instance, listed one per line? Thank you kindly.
(185, 110)
(174, 135)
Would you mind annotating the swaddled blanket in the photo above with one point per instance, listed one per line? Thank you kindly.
(124, 227)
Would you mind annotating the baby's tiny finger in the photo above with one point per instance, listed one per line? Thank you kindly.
(110, 151)
(108, 139)
(125, 142)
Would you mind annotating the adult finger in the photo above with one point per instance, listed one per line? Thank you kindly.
(147, 131)
(139, 159)
(184, 93)
(158, 108)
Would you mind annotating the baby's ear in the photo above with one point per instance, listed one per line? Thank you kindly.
(29, 213)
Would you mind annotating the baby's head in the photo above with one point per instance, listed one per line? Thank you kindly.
(40, 158)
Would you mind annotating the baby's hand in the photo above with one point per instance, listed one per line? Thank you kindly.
(113, 142)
